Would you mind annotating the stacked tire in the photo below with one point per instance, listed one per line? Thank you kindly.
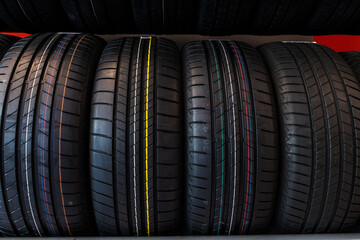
(208, 17)
(132, 138)
(233, 111)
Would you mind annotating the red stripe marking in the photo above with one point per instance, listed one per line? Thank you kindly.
(43, 140)
(248, 139)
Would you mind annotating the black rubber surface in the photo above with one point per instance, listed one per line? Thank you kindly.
(225, 17)
(318, 102)
(3, 26)
(253, 17)
(6, 41)
(231, 139)
(34, 16)
(340, 16)
(44, 135)
(208, 17)
(136, 139)
(353, 59)
(164, 16)
(100, 16)
(278, 17)
(281, 16)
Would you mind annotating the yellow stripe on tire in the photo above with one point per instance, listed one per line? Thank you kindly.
(147, 139)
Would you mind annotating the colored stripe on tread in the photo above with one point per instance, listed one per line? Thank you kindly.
(27, 131)
(248, 137)
(222, 139)
(147, 139)
(60, 126)
(234, 136)
(61, 45)
(134, 138)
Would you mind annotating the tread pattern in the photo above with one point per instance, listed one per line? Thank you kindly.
(164, 16)
(6, 41)
(334, 16)
(231, 139)
(252, 17)
(33, 16)
(353, 60)
(224, 17)
(208, 17)
(316, 93)
(98, 16)
(43, 159)
(281, 16)
(135, 146)
(8, 228)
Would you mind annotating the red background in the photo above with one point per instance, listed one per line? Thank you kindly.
(340, 43)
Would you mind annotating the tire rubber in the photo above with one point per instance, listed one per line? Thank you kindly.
(252, 17)
(231, 139)
(45, 95)
(281, 16)
(136, 139)
(353, 59)
(338, 16)
(4, 27)
(99, 16)
(6, 41)
(34, 16)
(317, 97)
(225, 17)
(165, 16)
